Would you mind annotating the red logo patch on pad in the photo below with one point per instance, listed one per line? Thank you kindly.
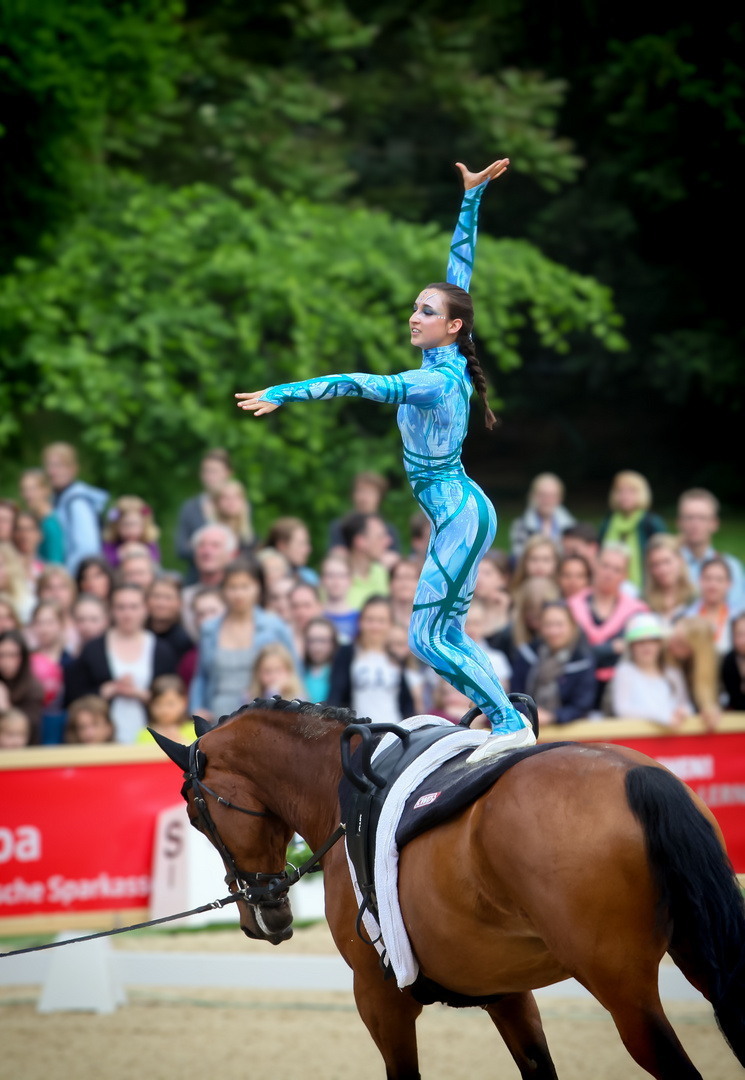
(426, 800)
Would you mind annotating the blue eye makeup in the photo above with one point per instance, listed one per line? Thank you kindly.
(427, 310)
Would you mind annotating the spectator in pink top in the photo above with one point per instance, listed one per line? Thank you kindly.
(603, 609)
(49, 657)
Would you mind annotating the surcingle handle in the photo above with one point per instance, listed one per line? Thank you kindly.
(367, 733)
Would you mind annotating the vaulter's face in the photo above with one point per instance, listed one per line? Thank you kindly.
(430, 322)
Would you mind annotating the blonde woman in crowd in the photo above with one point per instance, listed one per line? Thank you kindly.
(493, 590)
(540, 558)
(275, 672)
(544, 516)
(644, 685)
(558, 669)
(631, 521)
(15, 729)
(13, 581)
(690, 647)
(49, 655)
(668, 589)
(130, 521)
(8, 617)
(57, 584)
(274, 568)
(529, 600)
(233, 509)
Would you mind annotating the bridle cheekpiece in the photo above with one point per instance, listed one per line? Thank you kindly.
(254, 888)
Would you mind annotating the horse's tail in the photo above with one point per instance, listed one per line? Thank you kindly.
(698, 890)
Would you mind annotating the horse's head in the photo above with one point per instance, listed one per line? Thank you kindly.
(226, 806)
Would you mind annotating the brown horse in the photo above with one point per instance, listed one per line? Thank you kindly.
(589, 862)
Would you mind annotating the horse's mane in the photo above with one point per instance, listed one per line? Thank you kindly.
(315, 717)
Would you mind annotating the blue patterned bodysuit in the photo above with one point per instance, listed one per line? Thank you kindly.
(433, 412)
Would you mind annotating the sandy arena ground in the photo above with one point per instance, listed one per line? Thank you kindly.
(236, 1035)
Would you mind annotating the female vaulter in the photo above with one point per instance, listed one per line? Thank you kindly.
(433, 412)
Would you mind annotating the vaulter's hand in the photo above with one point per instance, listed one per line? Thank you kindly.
(251, 403)
(491, 172)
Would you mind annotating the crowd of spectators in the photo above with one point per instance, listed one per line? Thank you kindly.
(99, 640)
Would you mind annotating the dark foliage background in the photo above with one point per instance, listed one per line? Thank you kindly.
(194, 194)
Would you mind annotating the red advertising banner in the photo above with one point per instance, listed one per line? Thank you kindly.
(80, 839)
(77, 825)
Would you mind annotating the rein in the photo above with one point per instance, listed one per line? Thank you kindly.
(251, 887)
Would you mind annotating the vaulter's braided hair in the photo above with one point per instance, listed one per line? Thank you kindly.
(460, 306)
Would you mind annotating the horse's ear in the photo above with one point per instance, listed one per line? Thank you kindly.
(201, 726)
(177, 752)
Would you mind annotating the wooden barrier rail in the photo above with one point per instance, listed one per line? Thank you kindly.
(608, 730)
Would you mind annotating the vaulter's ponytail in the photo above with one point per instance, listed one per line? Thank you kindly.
(467, 347)
(460, 306)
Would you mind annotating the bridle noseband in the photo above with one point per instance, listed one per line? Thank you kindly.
(266, 889)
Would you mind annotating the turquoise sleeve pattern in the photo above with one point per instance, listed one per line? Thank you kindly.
(421, 388)
(463, 244)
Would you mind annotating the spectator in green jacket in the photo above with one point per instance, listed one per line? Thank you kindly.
(631, 521)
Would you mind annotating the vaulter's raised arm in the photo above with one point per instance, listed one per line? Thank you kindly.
(463, 244)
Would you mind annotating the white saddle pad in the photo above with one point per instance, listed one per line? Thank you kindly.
(394, 940)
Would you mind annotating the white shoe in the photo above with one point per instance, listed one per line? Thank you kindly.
(500, 743)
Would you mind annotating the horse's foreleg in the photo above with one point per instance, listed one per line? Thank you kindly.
(390, 1016)
(518, 1021)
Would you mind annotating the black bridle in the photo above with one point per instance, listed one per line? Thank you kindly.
(255, 888)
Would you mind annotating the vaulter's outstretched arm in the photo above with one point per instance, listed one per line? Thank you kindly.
(422, 388)
(463, 244)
